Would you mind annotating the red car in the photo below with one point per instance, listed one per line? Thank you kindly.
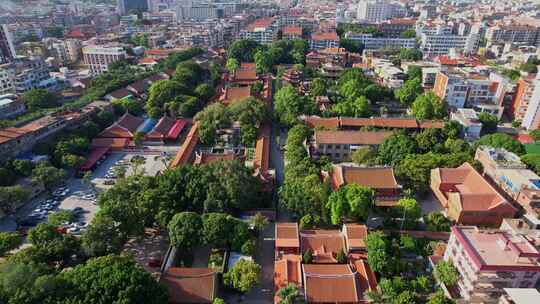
(153, 262)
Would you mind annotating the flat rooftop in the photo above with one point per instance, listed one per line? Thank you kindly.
(495, 250)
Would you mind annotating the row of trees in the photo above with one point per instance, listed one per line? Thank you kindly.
(249, 112)
(267, 56)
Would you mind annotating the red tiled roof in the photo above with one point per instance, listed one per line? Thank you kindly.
(161, 129)
(315, 121)
(186, 150)
(93, 157)
(288, 270)
(176, 129)
(233, 94)
(324, 244)
(125, 127)
(287, 235)
(260, 23)
(350, 137)
(331, 284)
(355, 234)
(375, 178)
(323, 36)
(190, 285)
(262, 149)
(292, 30)
(120, 93)
(206, 158)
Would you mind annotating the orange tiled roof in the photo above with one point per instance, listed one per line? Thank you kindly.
(323, 36)
(185, 151)
(355, 235)
(288, 270)
(292, 30)
(287, 235)
(376, 178)
(233, 94)
(190, 285)
(331, 284)
(324, 244)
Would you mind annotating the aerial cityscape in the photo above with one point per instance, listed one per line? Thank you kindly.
(269, 151)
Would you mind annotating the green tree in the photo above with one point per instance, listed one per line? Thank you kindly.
(307, 257)
(414, 72)
(439, 298)
(258, 222)
(532, 161)
(290, 294)
(103, 236)
(185, 230)
(263, 62)
(351, 45)
(358, 107)
(47, 175)
(364, 156)
(12, 197)
(529, 68)
(409, 91)
(243, 50)
(408, 34)
(289, 105)
(243, 276)
(535, 134)
(378, 258)
(446, 273)
(114, 279)
(60, 217)
(395, 148)
(501, 140)
(9, 241)
(162, 92)
(250, 113)
(249, 247)
(309, 221)
(489, 122)
(50, 246)
(217, 229)
(23, 167)
(428, 106)
(410, 54)
(436, 221)
(410, 211)
(39, 99)
(218, 301)
(318, 87)
(210, 120)
(341, 258)
(7, 178)
(232, 65)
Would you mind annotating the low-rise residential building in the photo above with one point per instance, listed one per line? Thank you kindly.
(488, 261)
(7, 76)
(468, 119)
(373, 43)
(263, 30)
(98, 57)
(323, 40)
(190, 285)
(66, 51)
(10, 106)
(460, 87)
(291, 32)
(468, 198)
(339, 145)
(389, 74)
(429, 70)
(32, 73)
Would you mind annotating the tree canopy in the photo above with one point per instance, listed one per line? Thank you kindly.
(243, 276)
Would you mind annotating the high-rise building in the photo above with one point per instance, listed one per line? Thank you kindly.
(378, 10)
(126, 6)
(7, 50)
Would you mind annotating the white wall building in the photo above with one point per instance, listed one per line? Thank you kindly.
(378, 10)
(469, 120)
(436, 45)
(373, 43)
(7, 76)
(98, 58)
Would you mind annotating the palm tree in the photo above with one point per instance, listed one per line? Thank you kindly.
(290, 295)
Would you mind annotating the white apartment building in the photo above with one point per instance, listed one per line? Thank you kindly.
(199, 11)
(390, 75)
(32, 73)
(528, 35)
(67, 51)
(436, 45)
(526, 102)
(98, 58)
(489, 260)
(7, 79)
(263, 30)
(374, 11)
(469, 120)
(7, 50)
(373, 43)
